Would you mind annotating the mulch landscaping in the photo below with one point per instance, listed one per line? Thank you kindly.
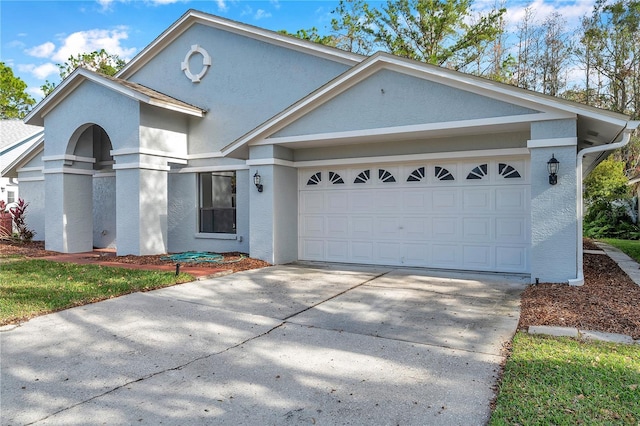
(609, 301)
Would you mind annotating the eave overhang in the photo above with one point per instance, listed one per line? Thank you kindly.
(132, 90)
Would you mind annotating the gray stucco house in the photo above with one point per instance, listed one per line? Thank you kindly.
(370, 160)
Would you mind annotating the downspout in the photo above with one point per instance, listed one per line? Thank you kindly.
(626, 136)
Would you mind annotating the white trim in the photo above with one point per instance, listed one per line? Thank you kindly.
(69, 157)
(195, 17)
(172, 157)
(32, 179)
(206, 63)
(139, 165)
(507, 152)
(30, 169)
(68, 171)
(104, 175)
(205, 155)
(213, 236)
(405, 131)
(553, 142)
(204, 169)
(270, 162)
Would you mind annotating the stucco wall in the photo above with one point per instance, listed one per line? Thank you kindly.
(163, 130)
(553, 207)
(91, 103)
(389, 98)
(248, 82)
(183, 216)
(424, 146)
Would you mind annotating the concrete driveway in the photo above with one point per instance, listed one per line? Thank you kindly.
(293, 344)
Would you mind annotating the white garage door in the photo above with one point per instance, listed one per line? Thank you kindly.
(468, 215)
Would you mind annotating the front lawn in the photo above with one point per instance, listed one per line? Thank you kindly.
(34, 287)
(630, 247)
(563, 381)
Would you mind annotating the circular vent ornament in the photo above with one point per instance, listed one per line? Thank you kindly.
(206, 63)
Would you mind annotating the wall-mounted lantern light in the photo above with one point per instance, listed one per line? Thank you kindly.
(2, 189)
(257, 180)
(553, 165)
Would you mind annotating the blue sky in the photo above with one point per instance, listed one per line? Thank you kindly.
(37, 35)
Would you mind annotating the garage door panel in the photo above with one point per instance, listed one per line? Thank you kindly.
(477, 257)
(510, 229)
(388, 228)
(362, 251)
(477, 200)
(387, 201)
(477, 228)
(416, 228)
(361, 227)
(312, 249)
(470, 214)
(312, 202)
(336, 201)
(360, 201)
(313, 226)
(511, 259)
(445, 228)
(444, 200)
(389, 253)
(512, 199)
(415, 254)
(415, 201)
(337, 226)
(337, 250)
(445, 255)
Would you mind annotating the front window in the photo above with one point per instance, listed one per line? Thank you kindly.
(11, 197)
(217, 202)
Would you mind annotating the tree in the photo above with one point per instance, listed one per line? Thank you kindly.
(15, 102)
(99, 61)
(607, 182)
(439, 32)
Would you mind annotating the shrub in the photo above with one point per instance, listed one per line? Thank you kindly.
(610, 219)
(18, 212)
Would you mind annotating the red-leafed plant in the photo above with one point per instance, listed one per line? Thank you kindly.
(18, 213)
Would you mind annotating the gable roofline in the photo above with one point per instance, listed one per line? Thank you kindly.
(132, 90)
(16, 144)
(11, 170)
(556, 107)
(192, 17)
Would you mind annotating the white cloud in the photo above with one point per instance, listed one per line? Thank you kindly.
(16, 44)
(42, 51)
(222, 5)
(275, 4)
(261, 13)
(36, 92)
(92, 40)
(41, 72)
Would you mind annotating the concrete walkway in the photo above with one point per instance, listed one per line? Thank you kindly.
(281, 345)
(627, 264)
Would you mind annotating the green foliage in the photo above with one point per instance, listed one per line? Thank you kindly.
(99, 61)
(607, 182)
(15, 102)
(560, 381)
(610, 219)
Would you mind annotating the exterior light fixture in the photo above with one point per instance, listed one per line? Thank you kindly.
(257, 180)
(553, 165)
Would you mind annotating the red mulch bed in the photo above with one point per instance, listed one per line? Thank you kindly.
(608, 301)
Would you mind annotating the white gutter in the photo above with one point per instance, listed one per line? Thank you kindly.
(626, 136)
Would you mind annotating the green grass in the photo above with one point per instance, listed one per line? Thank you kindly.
(561, 381)
(34, 287)
(630, 247)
